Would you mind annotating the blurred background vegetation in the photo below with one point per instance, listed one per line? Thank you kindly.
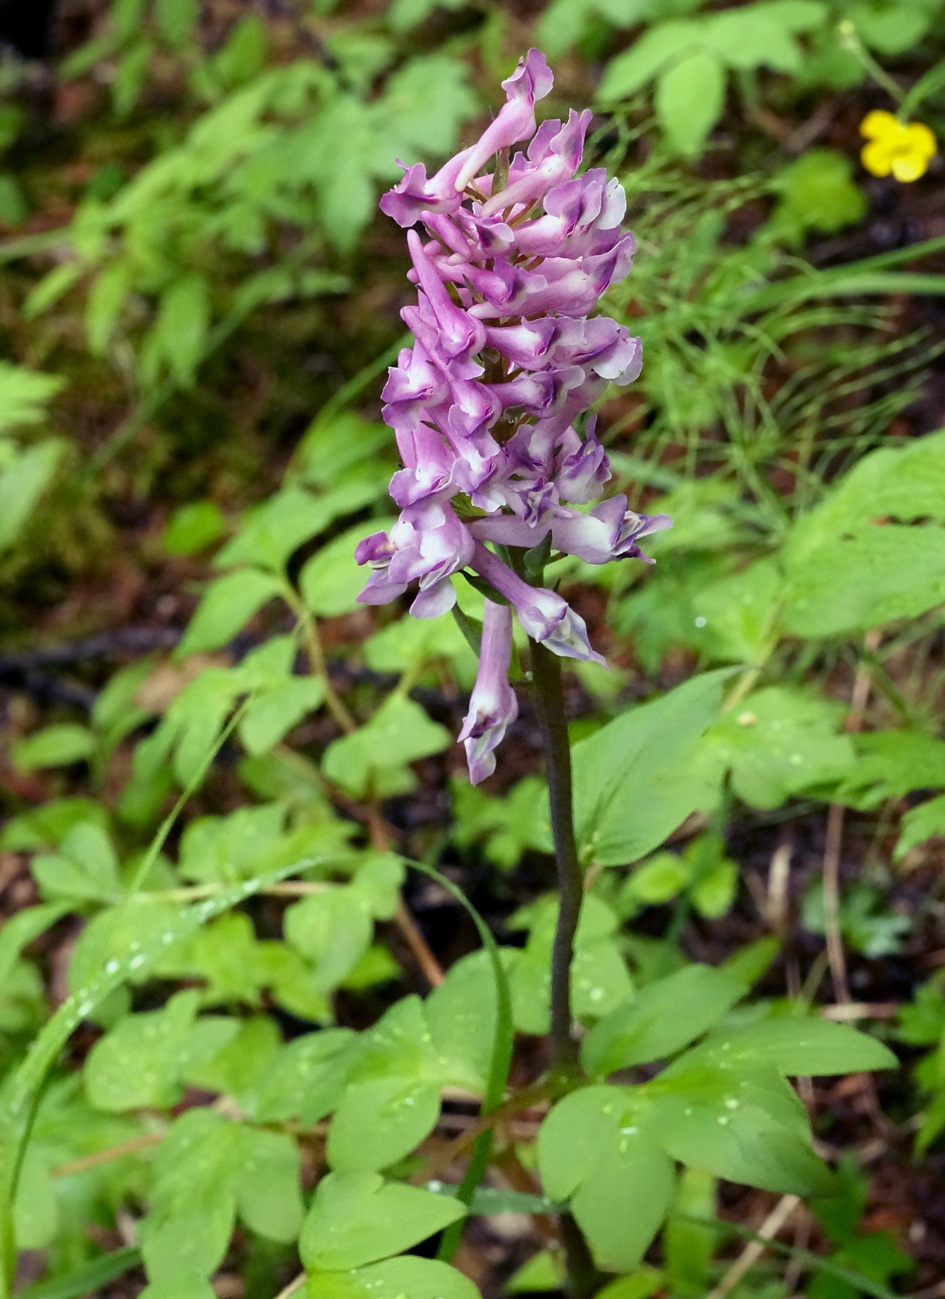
(198, 303)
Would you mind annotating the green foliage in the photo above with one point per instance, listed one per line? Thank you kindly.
(244, 967)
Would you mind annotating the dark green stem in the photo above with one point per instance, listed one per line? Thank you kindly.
(583, 1276)
(549, 697)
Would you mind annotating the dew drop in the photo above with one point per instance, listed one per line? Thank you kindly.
(112, 966)
(700, 621)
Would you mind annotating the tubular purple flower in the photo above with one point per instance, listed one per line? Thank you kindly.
(545, 616)
(531, 80)
(492, 704)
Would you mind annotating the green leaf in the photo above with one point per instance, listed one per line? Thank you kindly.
(140, 1062)
(661, 1019)
(380, 1121)
(646, 57)
(357, 1218)
(395, 1278)
(746, 1126)
(575, 1136)
(178, 337)
(919, 824)
(24, 395)
(86, 867)
(622, 1203)
(331, 580)
(817, 192)
(619, 1182)
(176, 20)
(54, 746)
(227, 605)
(850, 568)
(752, 37)
(690, 97)
(193, 527)
(798, 1047)
(782, 741)
(270, 533)
(639, 777)
(376, 754)
(268, 1194)
(22, 483)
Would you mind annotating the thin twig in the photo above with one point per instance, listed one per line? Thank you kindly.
(755, 1248)
(99, 1157)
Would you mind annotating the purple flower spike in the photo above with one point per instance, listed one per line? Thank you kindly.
(488, 404)
(492, 704)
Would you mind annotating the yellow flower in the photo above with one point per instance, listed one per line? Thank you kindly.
(903, 148)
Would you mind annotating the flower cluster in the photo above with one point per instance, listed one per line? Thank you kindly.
(904, 149)
(506, 358)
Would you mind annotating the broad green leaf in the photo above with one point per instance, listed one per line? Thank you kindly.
(752, 37)
(36, 1209)
(461, 1014)
(867, 577)
(23, 482)
(176, 19)
(575, 1136)
(919, 824)
(661, 1019)
(737, 615)
(427, 100)
(380, 1121)
(141, 1061)
(646, 57)
(193, 527)
(637, 779)
(375, 755)
(86, 866)
(781, 741)
(268, 1194)
(54, 746)
(816, 192)
(227, 605)
(307, 1078)
(271, 532)
(797, 1046)
(179, 335)
(690, 97)
(332, 929)
(623, 1201)
(619, 1182)
(395, 1278)
(357, 1218)
(746, 1126)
